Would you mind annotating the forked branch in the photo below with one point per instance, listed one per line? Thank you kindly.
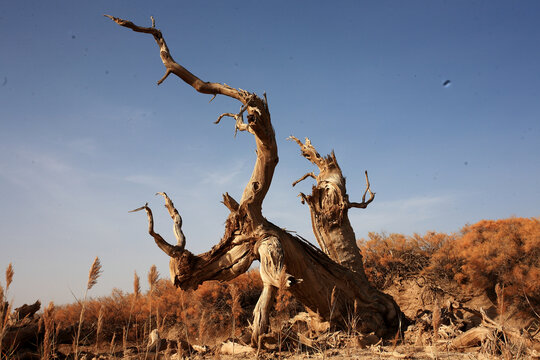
(240, 124)
(172, 66)
(330, 173)
(177, 219)
(258, 122)
(364, 203)
(160, 242)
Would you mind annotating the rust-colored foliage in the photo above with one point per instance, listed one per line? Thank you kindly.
(488, 253)
(391, 257)
(206, 311)
(504, 252)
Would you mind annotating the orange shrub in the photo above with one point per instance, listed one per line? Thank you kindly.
(504, 252)
(491, 252)
(204, 314)
(396, 256)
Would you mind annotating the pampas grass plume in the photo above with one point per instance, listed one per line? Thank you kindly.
(153, 276)
(9, 276)
(95, 272)
(136, 285)
(93, 275)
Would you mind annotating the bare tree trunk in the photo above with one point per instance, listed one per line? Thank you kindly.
(331, 283)
(329, 205)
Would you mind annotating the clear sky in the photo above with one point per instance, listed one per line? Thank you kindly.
(86, 134)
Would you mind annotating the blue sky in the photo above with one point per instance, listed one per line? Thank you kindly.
(86, 134)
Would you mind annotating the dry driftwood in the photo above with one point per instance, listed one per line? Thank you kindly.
(492, 331)
(26, 310)
(22, 329)
(27, 333)
(331, 282)
(472, 337)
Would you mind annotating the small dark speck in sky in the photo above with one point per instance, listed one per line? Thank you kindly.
(466, 163)
(106, 71)
(447, 83)
(4, 83)
(73, 36)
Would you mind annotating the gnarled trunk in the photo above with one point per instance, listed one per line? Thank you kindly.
(331, 282)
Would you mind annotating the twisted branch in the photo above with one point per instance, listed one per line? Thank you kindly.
(177, 219)
(172, 66)
(160, 242)
(364, 203)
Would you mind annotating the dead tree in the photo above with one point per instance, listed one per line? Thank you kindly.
(331, 282)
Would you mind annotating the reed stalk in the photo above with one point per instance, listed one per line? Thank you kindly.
(93, 275)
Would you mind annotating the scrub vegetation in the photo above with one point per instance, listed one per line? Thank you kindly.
(470, 294)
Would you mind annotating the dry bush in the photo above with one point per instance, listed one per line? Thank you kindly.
(482, 255)
(209, 308)
(47, 321)
(396, 256)
(212, 313)
(485, 254)
(492, 252)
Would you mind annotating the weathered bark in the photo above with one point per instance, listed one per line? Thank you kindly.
(329, 205)
(335, 287)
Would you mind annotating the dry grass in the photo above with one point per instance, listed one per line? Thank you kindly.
(5, 307)
(93, 275)
(218, 311)
(99, 326)
(136, 284)
(47, 319)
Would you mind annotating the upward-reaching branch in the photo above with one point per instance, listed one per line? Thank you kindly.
(364, 203)
(172, 66)
(177, 219)
(258, 123)
(167, 248)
